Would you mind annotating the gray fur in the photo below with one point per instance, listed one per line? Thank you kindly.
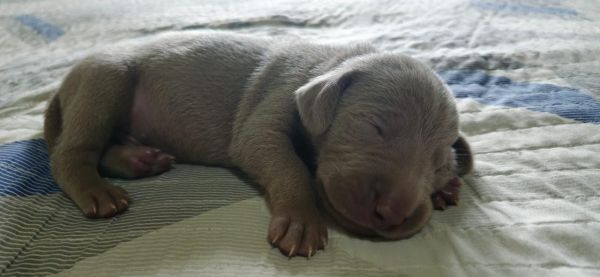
(381, 126)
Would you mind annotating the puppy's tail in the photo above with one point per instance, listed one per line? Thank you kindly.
(52, 123)
(464, 156)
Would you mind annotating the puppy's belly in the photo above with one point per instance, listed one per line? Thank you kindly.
(180, 123)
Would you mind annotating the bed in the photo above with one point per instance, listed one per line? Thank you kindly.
(526, 75)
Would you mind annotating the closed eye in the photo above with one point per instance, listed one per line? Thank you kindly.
(378, 129)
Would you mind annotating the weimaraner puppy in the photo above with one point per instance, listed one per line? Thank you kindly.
(370, 136)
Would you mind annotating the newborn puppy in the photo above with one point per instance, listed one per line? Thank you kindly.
(367, 134)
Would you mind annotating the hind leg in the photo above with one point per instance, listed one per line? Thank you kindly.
(134, 161)
(94, 97)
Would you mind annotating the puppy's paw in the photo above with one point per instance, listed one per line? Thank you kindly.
(101, 201)
(146, 161)
(134, 161)
(299, 233)
(448, 195)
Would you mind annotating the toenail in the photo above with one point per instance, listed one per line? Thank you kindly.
(275, 240)
(292, 251)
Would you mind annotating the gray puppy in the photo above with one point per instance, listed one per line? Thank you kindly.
(368, 135)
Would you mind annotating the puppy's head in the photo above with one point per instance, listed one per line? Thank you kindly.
(384, 126)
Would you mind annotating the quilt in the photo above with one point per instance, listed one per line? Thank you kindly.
(526, 76)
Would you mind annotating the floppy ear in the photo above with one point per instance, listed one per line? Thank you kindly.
(317, 100)
(464, 156)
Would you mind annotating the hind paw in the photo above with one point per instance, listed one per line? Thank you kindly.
(133, 161)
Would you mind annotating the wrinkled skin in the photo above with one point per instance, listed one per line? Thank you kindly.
(380, 128)
(388, 148)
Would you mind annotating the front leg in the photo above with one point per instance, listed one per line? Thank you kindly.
(268, 156)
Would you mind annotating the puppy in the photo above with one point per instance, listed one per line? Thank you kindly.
(366, 134)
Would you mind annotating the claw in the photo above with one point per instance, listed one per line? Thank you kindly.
(275, 240)
(292, 251)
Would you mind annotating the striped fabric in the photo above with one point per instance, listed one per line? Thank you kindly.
(42, 232)
(25, 169)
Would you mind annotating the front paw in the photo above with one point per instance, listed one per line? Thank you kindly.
(448, 195)
(101, 200)
(297, 232)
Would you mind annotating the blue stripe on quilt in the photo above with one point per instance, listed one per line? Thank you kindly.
(41, 27)
(525, 8)
(25, 169)
(496, 90)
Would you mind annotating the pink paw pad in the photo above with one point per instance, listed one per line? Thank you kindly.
(149, 162)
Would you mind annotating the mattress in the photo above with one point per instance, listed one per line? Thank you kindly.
(526, 75)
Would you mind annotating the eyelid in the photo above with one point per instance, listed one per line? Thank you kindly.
(378, 128)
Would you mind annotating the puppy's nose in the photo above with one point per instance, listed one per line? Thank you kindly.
(388, 214)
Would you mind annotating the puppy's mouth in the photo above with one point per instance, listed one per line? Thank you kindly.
(414, 223)
(343, 220)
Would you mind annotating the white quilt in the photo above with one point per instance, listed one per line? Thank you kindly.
(526, 75)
